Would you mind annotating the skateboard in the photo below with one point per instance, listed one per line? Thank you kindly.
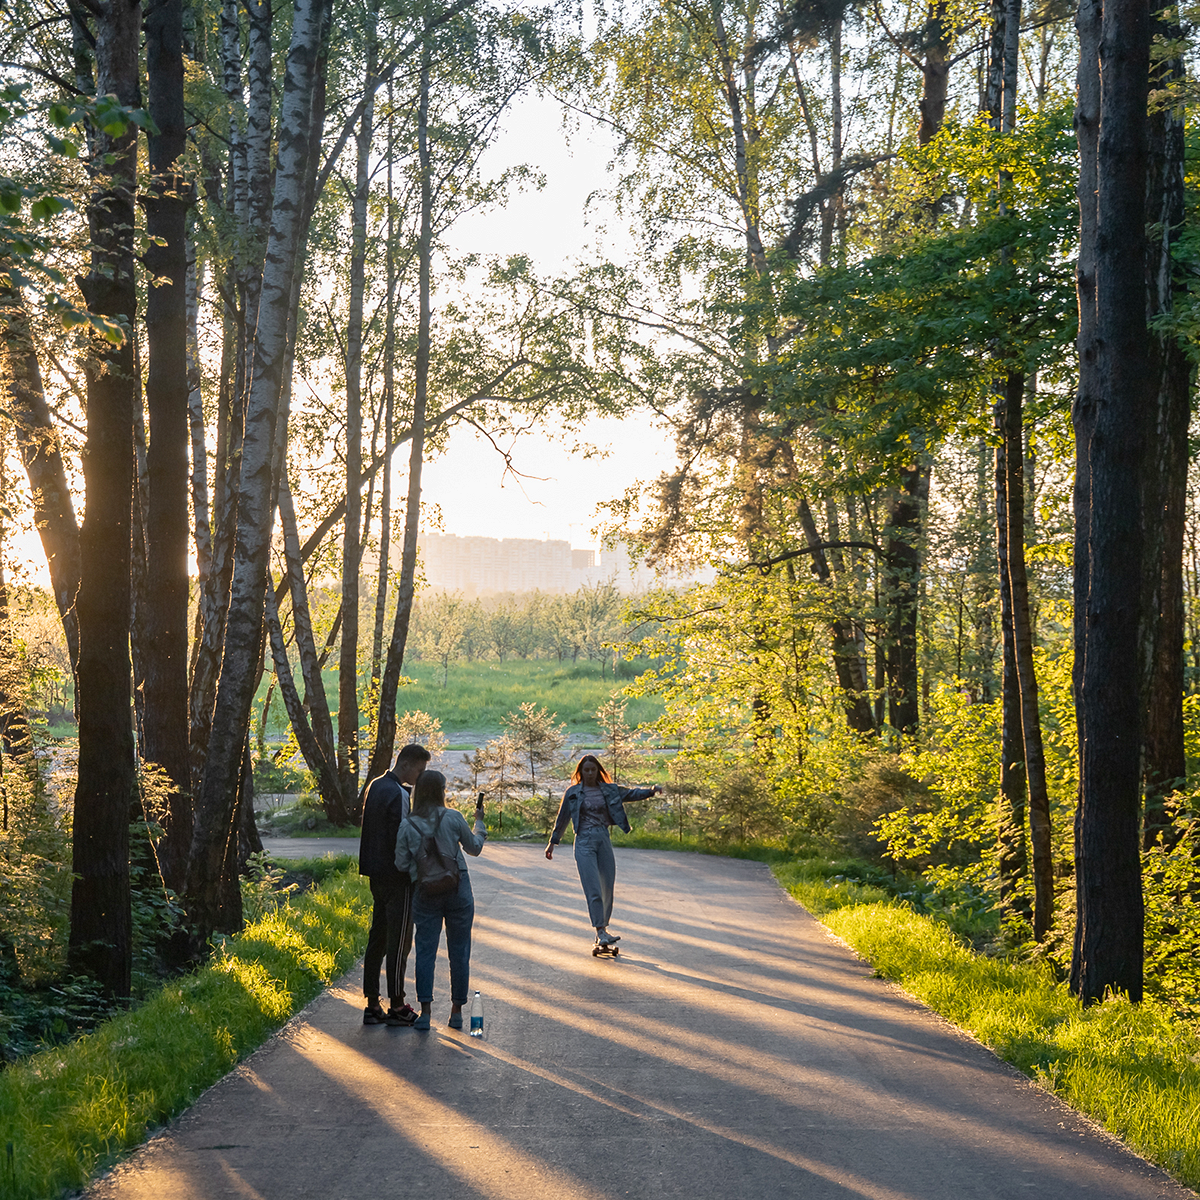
(609, 951)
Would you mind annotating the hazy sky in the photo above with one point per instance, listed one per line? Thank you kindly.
(550, 227)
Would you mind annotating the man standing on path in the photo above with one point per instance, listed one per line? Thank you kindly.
(386, 805)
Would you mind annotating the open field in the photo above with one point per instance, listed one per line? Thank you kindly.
(479, 694)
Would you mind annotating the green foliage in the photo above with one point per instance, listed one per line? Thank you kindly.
(30, 202)
(1171, 884)
(264, 887)
(72, 1111)
(953, 842)
(890, 346)
(35, 874)
(274, 775)
(737, 695)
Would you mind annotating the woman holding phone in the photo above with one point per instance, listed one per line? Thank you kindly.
(455, 908)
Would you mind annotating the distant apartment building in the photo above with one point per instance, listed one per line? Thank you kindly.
(477, 566)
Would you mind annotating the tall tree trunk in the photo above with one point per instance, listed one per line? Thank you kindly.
(166, 684)
(324, 764)
(100, 937)
(385, 726)
(1109, 945)
(53, 509)
(1164, 763)
(201, 518)
(347, 750)
(902, 566)
(139, 622)
(1011, 428)
(214, 594)
(1013, 856)
(935, 72)
(215, 807)
(904, 533)
(847, 662)
(319, 763)
(389, 410)
(258, 168)
(1083, 408)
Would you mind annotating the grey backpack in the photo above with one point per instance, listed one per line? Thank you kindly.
(437, 875)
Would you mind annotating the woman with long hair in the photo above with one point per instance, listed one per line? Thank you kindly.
(592, 804)
(456, 908)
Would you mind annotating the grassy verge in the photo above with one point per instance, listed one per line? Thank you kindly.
(1133, 1068)
(68, 1112)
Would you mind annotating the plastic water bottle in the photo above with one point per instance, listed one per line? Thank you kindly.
(477, 1016)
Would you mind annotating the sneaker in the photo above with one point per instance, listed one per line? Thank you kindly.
(422, 1021)
(404, 1015)
(455, 1021)
(606, 938)
(373, 1014)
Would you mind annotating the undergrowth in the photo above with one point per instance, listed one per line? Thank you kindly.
(1133, 1068)
(70, 1111)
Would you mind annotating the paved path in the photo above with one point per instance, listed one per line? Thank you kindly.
(734, 1050)
(280, 847)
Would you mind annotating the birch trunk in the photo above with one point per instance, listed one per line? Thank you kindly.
(214, 597)
(310, 665)
(216, 803)
(389, 406)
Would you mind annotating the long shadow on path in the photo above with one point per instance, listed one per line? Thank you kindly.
(734, 1049)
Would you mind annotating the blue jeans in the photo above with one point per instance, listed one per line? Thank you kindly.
(597, 872)
(457, 909)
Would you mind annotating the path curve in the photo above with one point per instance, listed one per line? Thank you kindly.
(734, 1050)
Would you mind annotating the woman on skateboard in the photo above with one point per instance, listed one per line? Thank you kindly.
(592, 803)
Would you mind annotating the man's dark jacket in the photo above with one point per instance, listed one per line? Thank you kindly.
(385, 807)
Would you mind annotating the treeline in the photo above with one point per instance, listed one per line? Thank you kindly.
(587, 624)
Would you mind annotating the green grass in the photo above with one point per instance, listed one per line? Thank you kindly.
(479, 694)
(1133, 1068)
(71, 1111)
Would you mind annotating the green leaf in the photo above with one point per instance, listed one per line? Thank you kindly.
(47, 206)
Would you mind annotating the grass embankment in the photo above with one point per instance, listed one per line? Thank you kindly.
(68, 1112)
(1133, 1068)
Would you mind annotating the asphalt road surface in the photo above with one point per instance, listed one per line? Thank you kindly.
(733, 1050)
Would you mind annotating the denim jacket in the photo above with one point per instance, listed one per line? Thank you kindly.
(615, 796)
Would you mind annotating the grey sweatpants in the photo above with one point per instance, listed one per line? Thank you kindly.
(597, 872)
